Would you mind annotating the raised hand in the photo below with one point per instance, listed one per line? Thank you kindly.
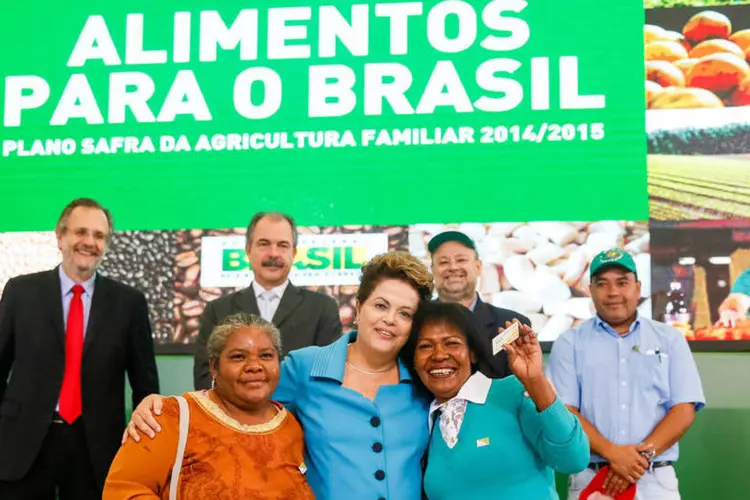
(525, 354)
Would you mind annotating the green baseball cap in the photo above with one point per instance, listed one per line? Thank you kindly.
(447, 236)
(614, 257)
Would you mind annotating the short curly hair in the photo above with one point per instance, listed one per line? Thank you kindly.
(395, 265)
(217, 342)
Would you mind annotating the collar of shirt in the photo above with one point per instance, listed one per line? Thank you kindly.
(474, 304)
(331, 360)
(474, 390)
(603, 325)
(278, 290)
(67, 283)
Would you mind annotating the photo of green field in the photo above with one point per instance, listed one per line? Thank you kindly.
(656, 4)
(699, 187)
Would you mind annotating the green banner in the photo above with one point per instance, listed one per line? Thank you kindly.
(177, 115)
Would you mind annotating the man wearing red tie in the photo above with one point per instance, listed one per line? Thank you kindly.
(67, 338)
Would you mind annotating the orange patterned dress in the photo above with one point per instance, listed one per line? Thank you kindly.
(224, 460)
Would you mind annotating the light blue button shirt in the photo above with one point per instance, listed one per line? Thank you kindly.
(66, 290)
(355, 448)
(625, 384)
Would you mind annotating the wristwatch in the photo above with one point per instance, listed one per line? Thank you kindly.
(650, 453)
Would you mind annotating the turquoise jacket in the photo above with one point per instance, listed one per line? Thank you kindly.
(506, 449)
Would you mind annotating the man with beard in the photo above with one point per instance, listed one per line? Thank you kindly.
(304, 317)
(456, 267)
(67, 338)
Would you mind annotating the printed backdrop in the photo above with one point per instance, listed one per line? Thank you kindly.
(395, 121)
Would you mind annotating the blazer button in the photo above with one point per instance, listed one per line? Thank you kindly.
(379, 475)
(377, 447)
(375, 421)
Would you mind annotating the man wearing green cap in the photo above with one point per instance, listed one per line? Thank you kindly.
(456, 267)
(631, 381)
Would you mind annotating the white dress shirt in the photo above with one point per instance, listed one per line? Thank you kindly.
(268, 300)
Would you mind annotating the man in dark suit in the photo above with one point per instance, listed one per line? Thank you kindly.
(304, 317)
(67, 338)
(456, 267)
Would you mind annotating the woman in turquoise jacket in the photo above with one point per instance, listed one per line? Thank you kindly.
(501, 438)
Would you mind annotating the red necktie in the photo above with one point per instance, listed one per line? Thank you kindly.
(70, 394)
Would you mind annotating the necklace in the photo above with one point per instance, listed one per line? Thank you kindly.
(225, 409)
(360, 370)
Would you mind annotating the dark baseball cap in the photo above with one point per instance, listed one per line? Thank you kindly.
(447, 236)
(614, 257)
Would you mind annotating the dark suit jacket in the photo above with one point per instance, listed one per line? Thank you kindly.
(305, 318)
(32, 345)
(490, 319)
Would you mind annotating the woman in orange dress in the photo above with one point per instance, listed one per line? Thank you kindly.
(240, 444)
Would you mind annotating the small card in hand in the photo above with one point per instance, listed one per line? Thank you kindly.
(505, 337)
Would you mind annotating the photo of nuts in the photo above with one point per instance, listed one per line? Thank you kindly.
(141, 259)
(540, 269)
(697, 58)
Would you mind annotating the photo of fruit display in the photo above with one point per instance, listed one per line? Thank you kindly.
(697, 278)
(697, 58)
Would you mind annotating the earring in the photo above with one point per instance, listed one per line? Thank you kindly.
(213, 383)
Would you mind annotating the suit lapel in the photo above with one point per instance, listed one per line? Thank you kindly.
(100, 304)
(53, 299)
(483, 316)
(245, 302)
(290, 301)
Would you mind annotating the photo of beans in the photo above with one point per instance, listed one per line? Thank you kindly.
(190, 298)
(144, 260)
(26, 253)
(540, 269)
